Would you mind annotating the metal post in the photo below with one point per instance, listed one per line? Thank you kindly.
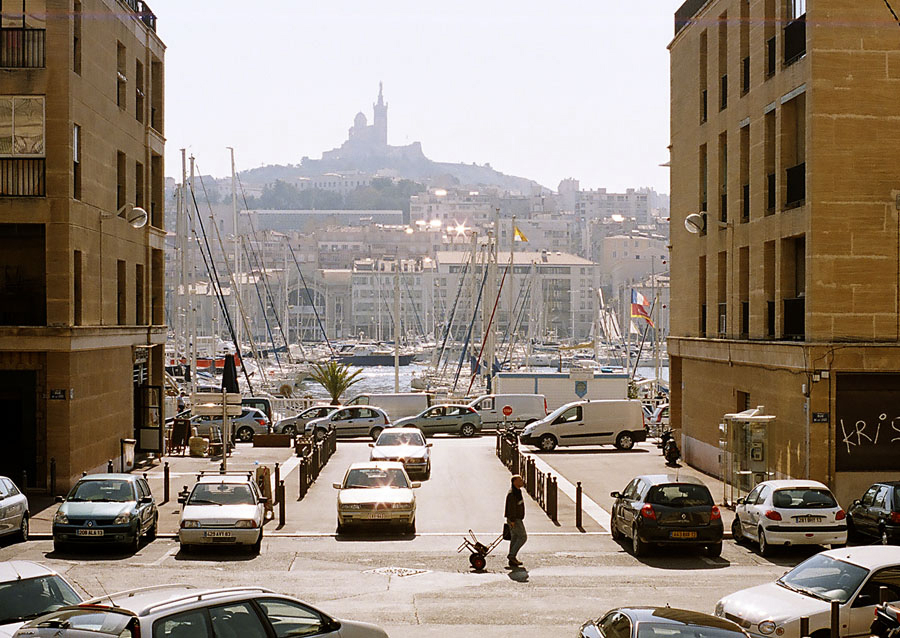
(835, 618)
(281, 504)
(578, 505)
(301, 473)
(804, 627)
(166, 482)
(277, 476)
(109, 467)
(552, 502)
(52, 476)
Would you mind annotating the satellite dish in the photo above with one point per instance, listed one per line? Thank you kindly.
(695, 223)
(137, 217)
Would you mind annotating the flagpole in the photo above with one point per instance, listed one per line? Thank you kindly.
(643, 339)
(512, 269)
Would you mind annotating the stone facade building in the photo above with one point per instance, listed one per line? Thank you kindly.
(784, 137)
(81, 288)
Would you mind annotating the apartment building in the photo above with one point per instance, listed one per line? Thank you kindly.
(784, 133)
(376, 283)
(81, 275)
(643, 204)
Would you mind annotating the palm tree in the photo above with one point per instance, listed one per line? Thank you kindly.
(335, 378)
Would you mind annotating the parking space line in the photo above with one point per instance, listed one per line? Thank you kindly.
(589, 506)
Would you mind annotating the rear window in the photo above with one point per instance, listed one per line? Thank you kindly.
(679, 495)
(800, 498)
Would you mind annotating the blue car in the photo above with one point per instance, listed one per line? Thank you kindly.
(106, 509)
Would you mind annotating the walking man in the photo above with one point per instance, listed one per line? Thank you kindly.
(515, 517)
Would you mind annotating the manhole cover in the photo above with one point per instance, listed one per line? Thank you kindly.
(401, 572)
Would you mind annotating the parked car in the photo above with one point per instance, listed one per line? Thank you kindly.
(297, 423)
(406, 446)
(618, 422)
(659, 622)
(106, 509)
(29, 590)
(350, 421)
(877, 514)
(662, 509)
(222, 509)
(396, 404)
(526, 408)
(252, 421)
(14, 512)
(447, 419)
(789, 512)
(175, 611)
(376, 492)
(851, 576)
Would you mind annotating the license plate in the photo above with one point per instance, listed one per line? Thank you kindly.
(808, 519)
(683, 535)
(89, 532)
(217, 534)
(378, 515)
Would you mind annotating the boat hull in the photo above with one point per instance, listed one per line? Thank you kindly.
(375, 359)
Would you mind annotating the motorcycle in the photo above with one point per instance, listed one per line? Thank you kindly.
(669, 447)
(887, 621)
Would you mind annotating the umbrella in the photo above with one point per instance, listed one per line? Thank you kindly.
(229, 375)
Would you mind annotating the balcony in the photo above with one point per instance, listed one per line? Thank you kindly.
(795, 319)
(142, 12)
(22, 177)
(795, 40)
(795, 186)
(22, 48)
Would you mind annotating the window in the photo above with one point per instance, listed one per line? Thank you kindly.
(139, 294)
(616, 625)
(23, 34)
(76, 38)
(723, 61)
(870, 592)
(22, 126)
(77, 288)
(121, 77)
(289, 618)
(138, 91)
(191, 623)
(121, 312)
(120, 180)
(139, 184)
(76, 161)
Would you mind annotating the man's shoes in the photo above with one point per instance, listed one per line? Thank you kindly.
(515, 563)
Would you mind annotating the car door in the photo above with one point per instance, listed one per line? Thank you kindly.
(569, 427)
(432, 420)
(758, 510)
(149, 509)
(862, 609)
(6, 508)
(632, 503)
(618, 514)
(862, 515)
(292, 618)
(880, 509)
(488, 409)
(742, 511)
(343, 421)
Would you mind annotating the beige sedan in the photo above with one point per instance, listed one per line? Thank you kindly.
(377, 492)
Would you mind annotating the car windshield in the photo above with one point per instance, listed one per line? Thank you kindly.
(221, 494)
(400, 438)
(375, 477)
(672, 630)
(102, 491)
(98, 621)
(22, 600)
(803, 498)
(825, 578)
(680, 495)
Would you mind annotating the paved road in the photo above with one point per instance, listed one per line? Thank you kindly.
(419, 585)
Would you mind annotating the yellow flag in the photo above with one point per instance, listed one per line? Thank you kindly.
(518, 235)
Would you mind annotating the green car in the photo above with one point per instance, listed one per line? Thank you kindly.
(447, 418)
(106, 509)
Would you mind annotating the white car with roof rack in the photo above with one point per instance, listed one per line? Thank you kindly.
(183, 611)
(222, 509)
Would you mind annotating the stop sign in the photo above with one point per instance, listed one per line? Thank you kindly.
(507, 410)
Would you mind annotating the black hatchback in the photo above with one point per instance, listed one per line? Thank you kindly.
(661, 509)
(877, 514)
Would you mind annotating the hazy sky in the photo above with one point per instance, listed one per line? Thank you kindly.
(545, 90)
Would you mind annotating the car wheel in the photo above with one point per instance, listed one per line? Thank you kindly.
(427, 471)
(764, 548)
(467, 430)
(613, 529)
(624, 441)
(290, 430)
(375, 433)
(411, 528)
(23, 529)
(134, 543)
(714, 550)
(320, 434)
(548, 442)
(852, 534)
(151, 532)
(638, 547)
(244, 434)
(737, 532)
(256, 548)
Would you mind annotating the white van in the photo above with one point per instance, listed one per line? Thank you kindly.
(618, 422)
(397, 405)
(526, 408)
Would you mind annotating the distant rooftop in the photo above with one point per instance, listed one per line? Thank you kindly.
(521, 258)
(687, 11)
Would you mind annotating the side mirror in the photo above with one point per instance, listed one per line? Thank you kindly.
(864, 600)
(429, 445)
(59, 499)
(615, 494)
(856, 502)
(371, 445)
(263, 499)
(740, 501)
(146, 500)
(336, 486)
(416, 485)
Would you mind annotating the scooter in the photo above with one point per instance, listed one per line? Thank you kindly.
(669, 447)
(887, 622)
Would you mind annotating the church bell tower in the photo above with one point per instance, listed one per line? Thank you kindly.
(380, 123)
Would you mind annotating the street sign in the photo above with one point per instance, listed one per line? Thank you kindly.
(232, 398)
(507, 410)
(215, 409)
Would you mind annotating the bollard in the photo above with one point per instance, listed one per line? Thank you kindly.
(53, 476)
(277, 475)
(109, 466)
(804, 627)
(166, 482)
(222, 464)
(280, 495)
(552, 503)
(835, 618)
(578, 505)
(301, 473)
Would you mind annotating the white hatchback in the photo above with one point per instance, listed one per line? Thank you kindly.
(789, 512)
(404, 445)
(222, 509)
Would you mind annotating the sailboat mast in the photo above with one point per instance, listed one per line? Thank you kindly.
(180, 244)
(192, 317)
(397, 325)
(236, 249)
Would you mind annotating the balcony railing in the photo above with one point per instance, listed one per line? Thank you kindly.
(22, 177)
(795, 319)
(23, 48)
(795, 186)
(795, 40)
(142, 12)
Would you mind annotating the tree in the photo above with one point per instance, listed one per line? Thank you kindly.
(335, 377)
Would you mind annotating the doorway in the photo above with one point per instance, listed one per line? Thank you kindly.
(18, 405)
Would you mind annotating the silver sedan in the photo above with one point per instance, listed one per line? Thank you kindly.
(449, 418)
(13, 510)
(297, 423)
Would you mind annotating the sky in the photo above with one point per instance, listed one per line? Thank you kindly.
(544, 90)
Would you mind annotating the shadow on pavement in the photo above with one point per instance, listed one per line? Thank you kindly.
(518, 574)
(374, 535)
(95, 553)
(688, 558)
(215, 554)
(589, 450)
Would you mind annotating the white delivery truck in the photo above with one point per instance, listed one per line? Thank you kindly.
(564, 387)
(523, 408)
(618, 422)
(397, 405)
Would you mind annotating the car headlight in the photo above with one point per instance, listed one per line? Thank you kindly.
(349, 506)
(766, 627)
(720, 609)
(189, 524)
(122, 519)
(246, 524)
(61, 518)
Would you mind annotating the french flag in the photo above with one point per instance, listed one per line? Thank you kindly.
(639, 305)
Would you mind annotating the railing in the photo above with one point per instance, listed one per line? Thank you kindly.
(22, 48)
(313, 457)
(541, 486)
(290, 407)
(794, 40)
(142, 12)
(23, 177)
(795, 187)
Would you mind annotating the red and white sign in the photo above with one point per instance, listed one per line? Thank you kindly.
(507, 410)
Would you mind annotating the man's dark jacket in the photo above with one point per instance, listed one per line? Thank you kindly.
(515, 505)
